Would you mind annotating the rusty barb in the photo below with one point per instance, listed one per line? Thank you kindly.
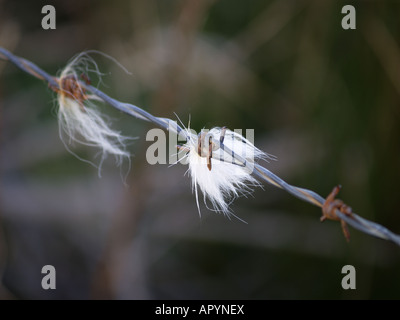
(72, 88)
(332, 209)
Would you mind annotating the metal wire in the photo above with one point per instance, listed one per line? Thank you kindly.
(357, 222)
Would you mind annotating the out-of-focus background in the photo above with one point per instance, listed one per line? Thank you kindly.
(324, 100)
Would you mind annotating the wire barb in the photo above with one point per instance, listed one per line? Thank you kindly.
(331, 205)
(71, 88)
(332, 209)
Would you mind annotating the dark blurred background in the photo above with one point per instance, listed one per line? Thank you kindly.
(324, 100)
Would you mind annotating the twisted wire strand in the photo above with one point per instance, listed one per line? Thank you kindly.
(357, 222)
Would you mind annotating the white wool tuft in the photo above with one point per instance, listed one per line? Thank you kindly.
(82, 122)
(227, 179)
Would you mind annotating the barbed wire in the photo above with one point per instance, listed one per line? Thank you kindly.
(332, 208)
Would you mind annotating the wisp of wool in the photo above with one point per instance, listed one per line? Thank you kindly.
(227, 178)
(80, 119)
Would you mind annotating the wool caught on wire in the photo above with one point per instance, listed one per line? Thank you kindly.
(78, 116)
(217, 173)
(331, 207)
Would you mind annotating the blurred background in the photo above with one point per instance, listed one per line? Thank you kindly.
(324, 100)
